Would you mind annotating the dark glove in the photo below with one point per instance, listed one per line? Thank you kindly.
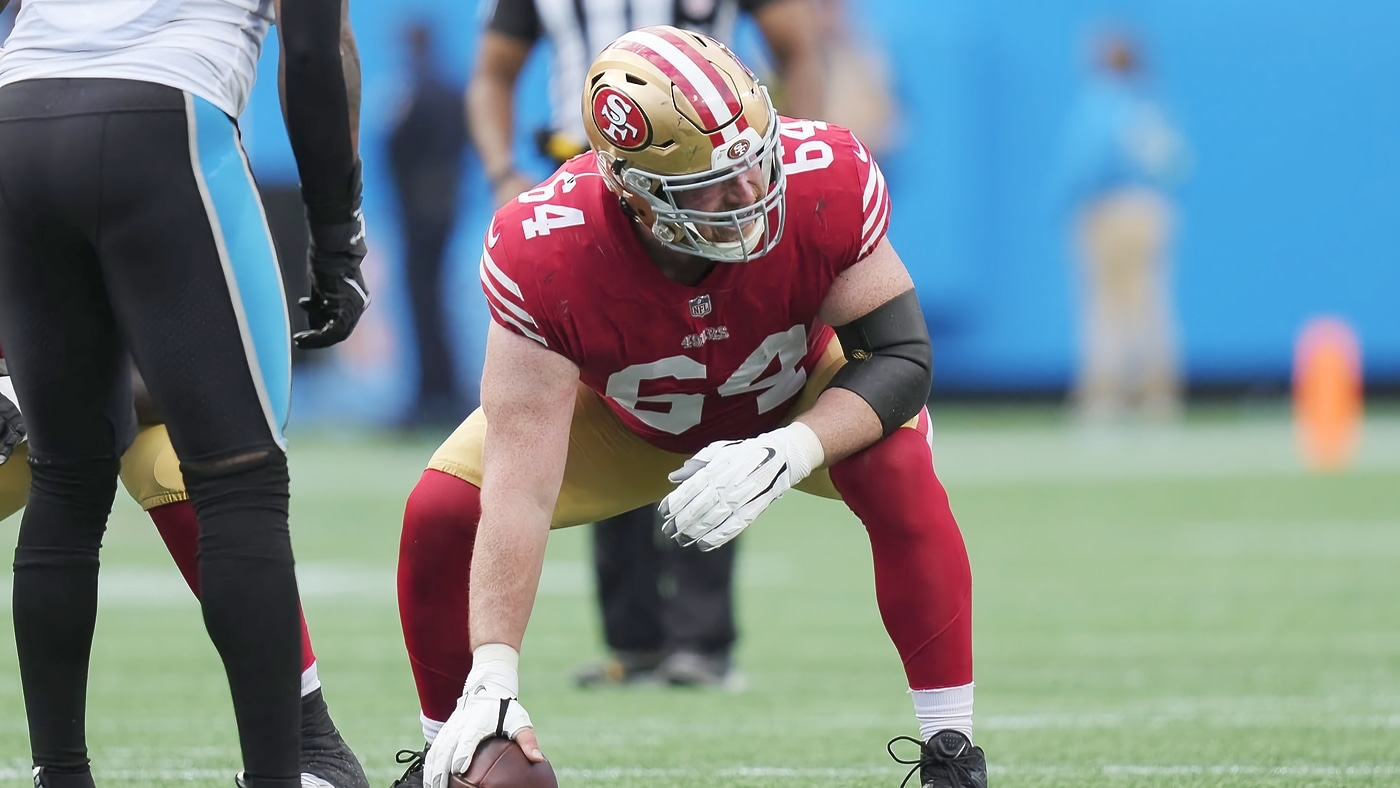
(338, 293)
(11, 428)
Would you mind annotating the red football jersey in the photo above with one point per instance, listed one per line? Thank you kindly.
(685, 366)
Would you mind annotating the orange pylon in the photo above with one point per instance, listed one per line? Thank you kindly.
(1327, 394)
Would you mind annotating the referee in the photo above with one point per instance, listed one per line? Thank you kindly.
(130, 225)
(686, 636)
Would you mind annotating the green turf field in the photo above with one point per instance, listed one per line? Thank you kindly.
(1155, 608)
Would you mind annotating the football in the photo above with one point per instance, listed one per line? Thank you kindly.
(500, 763)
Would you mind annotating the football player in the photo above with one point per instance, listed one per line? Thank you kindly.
(703, 310)
(150, 471)
(131, 227)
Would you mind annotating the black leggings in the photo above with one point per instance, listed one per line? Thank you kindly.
(130, 227)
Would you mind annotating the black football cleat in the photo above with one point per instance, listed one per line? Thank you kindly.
(326, 760)
(46, 778)
(947, 760)
(413, 775)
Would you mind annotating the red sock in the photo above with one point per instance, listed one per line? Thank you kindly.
(179, 529)
(435, 553)
(923, 583)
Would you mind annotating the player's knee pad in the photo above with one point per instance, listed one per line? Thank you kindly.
(151, 471)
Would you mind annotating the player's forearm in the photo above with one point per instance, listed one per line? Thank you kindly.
(491, 118)
(317, 105)
(843, 422)
(506, 567)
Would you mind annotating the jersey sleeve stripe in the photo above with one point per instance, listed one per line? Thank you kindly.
(871, 184)
(876, 189)
(510, 306)
(505, 318)
(496, 273)
(881, 225)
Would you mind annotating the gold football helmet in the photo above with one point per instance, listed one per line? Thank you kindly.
(686, 136)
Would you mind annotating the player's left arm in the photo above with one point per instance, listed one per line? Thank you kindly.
(889, 359)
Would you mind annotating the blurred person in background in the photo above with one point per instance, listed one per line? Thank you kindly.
(668, 614)
(858, 89)
(1121, 156)
(426, 147)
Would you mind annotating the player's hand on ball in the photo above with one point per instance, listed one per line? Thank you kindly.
(728, 484)
(488, 707)
(338, 293)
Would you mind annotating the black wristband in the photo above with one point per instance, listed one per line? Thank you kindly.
(339, 211)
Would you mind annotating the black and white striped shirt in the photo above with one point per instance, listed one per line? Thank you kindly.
(579, 29)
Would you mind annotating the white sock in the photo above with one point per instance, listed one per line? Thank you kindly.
(310, 682)
(944, 709)
(431, 728)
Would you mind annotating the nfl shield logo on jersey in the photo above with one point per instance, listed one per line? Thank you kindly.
(700, 306)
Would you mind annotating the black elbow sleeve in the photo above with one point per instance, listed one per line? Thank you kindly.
(318, 110)
(889, 360)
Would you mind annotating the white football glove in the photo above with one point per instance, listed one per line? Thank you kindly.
(488, 707)
(12, 431)
(728, 484)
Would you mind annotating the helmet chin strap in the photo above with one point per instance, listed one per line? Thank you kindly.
(746, 244)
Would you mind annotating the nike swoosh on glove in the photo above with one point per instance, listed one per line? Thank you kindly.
(728, 484)
(488, 707)
(338, 293)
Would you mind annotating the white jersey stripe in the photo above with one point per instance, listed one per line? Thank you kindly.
(498, 274)
(507, 303)
(881, 225)
(877, 180)
(699, 84)
(504, 318)
(870, 185)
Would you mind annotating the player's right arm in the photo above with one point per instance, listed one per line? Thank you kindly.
(527, 394)
(505, 45)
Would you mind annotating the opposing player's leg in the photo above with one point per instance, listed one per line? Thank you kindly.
(183, 226)
(63, 351)
(609, 471)
(923, 582)
(151, 474)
